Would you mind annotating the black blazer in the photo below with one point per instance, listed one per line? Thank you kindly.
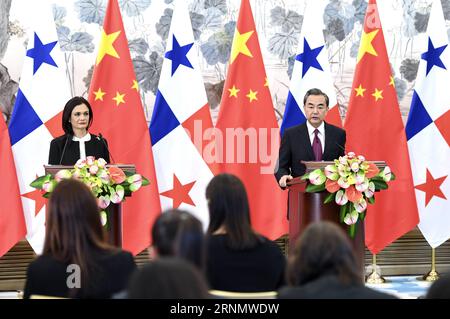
(97, 147)
(296, 146)
(48, 276)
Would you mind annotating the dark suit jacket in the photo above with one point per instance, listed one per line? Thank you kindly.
(95, 147)
(329, 287)
(48, 276)
(296, 147)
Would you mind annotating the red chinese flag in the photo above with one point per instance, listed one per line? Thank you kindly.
(375, 129)
(12, 222)
(119, 116)
(249, 130)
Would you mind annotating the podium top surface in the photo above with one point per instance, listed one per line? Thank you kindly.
(312, 165)
(53, 169)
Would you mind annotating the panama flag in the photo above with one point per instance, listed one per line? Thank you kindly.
(180, 117)
(311, 70)
(428, 132)
(36, 118)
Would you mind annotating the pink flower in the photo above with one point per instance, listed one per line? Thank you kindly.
(49, 186)
(135, 182)
(104, 176)
(387, 174)
(117, 175)
(63, 174)
(370, 190)
(361, 205)
(341, 199)
(351, 218)
(90, 160)
(101, 162)
(353, 195)
(93, 169)
(103, 201)
(317, 177)
(80, 163)
(332, 186)
(117, 195)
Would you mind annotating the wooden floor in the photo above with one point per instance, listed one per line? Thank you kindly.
(409, 255)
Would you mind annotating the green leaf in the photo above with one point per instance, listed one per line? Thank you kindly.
(392, 176)
(380, 184)
(329, 198)
(343, 212)
(311, 188)
(371, 200)
(145, 181)
(362, 216)
(305, 177)
(38, 182)
(46, 195)
(352, 230)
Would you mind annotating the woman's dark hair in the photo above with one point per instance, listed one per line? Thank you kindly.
(74, 233)
(68, 108)
(177, 233)
(323, 249)
(168, 278)
(228, 207)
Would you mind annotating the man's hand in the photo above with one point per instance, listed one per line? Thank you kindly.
(284, 179)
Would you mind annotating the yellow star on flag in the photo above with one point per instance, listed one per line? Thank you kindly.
(240, 45)
(377, 94)
(366, 44)
(233, 91)
(266, 83)
(106, 46)
(252, 95)
(135, 85)
(99, 94)
(119, 98)
(360, 91)
(391, 82)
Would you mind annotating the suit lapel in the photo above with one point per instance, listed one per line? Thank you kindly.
(328, 142)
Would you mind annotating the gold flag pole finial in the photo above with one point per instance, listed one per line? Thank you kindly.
(375, 277)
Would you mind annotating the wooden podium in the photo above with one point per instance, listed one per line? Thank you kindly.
(305, 208)
(114, 211)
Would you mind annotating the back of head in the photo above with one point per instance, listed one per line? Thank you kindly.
(168, 278)
(73, 225)
(178, 233)
(229, 208)
(440, 289)
(323, 249)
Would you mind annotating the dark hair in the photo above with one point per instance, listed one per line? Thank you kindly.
(316, 91)
(168, 278)
(178, 233)
(68, 108)
(440, 289)
(323, 249)
(228, 207)
(74, 233)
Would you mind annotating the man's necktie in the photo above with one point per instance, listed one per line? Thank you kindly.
(317, 146)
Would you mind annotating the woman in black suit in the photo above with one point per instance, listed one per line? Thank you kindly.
(77, 142)
(76, 261)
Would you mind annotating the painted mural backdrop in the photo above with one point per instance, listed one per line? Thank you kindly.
(278, 21)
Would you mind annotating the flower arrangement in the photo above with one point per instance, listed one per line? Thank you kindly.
(351, 182)
(109, 184)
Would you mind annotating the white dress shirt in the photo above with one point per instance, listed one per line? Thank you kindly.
(321, 134)
(82, 140)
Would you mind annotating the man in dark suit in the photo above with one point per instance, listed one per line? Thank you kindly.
(314, 140)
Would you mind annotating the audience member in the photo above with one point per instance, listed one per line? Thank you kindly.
(168, 278)
(177, 233)
(238, 259)
(76, 261)
(440, 289)
(323, 266)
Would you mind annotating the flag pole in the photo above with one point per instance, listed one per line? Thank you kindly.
(432, 275)
(375, 277)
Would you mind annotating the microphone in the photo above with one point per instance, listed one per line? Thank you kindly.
(69, 137)
(100, 137)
